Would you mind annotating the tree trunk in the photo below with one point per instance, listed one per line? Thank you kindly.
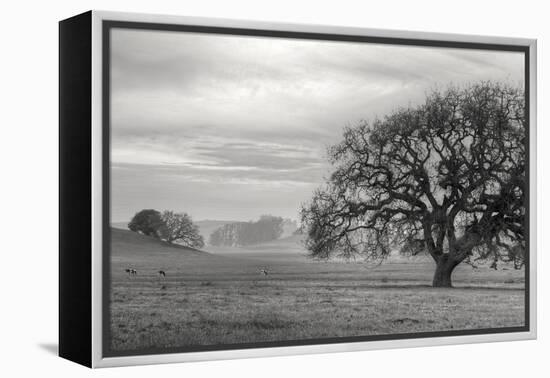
(443, 271)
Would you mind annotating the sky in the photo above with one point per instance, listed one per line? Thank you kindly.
(227, 127)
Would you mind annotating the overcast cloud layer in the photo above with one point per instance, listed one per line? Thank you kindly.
(230, 127)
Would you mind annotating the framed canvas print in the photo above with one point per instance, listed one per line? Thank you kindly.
(236, 189)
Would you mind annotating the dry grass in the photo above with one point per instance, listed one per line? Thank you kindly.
(208, 300)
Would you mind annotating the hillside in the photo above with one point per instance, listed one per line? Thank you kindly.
(206, 227)
(120, 225)
(128, 243)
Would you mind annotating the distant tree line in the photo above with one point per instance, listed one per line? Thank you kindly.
(267, 228)
(289, 227)
(169, 226)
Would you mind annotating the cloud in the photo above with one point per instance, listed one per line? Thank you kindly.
(216, 160)
(256, 112)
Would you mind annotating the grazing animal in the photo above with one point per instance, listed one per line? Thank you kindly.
(130, 271)
(264, 272)
(162, 273)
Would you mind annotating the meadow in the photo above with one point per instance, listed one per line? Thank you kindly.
(219, 296)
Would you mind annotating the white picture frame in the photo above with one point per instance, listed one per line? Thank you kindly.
(93, 258)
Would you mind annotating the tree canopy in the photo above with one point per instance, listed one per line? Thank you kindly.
(267, 228)
(446, 178)
(179, 227)
(169, 226)
(147, 222)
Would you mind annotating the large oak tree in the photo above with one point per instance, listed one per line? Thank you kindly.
(446, 178)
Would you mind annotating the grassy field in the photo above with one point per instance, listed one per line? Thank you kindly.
(220, 297)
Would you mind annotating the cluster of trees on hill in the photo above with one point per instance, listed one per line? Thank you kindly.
(447, 178)
(169, 226)
(267, 228)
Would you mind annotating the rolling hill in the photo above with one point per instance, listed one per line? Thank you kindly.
(127, 242)
(120, 225)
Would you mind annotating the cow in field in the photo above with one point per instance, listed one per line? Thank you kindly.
(130, 271)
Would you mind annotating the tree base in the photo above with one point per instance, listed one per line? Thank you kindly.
(443, 271)
(442, 283)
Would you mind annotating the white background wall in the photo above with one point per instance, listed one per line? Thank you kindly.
(28, 158)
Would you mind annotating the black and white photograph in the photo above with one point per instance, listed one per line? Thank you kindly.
(272, 190)
(244, 189)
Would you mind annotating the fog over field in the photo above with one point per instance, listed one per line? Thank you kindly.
(219, 297)
(256, 198)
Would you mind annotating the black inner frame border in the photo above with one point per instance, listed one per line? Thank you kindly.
(108, 25)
